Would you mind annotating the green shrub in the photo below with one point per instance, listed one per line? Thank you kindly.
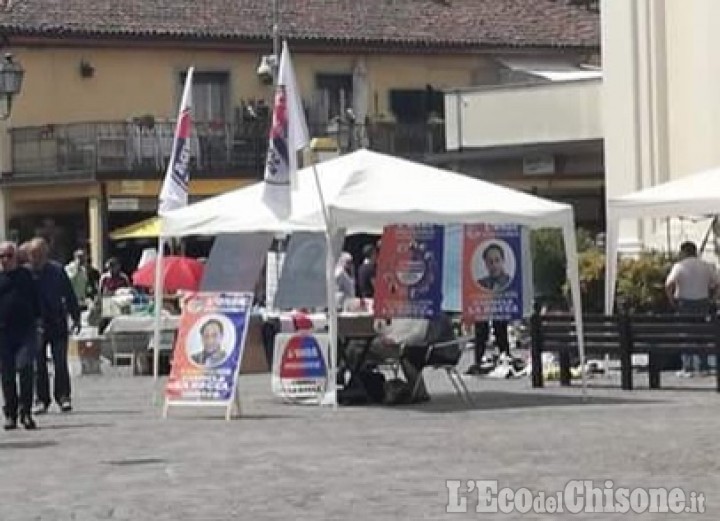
(549, 264)
(548, 255)
(591, 267)
(641, 279)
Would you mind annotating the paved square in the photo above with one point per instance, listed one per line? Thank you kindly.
(115, 458)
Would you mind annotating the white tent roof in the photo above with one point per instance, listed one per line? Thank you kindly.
(364, 191)
(241, 210)
(379, 189)
(697, 194)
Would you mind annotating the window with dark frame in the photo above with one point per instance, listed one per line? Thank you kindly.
(335, 95)
(416, 105)
(211, 96)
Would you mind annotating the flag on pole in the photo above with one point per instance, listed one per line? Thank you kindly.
(174, 192)
(288, 133)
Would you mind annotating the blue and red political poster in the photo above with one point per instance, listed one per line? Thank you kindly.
(299, 366)
(408, 281)
(493, 272)
(209, 346)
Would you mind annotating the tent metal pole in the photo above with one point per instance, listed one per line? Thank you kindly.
(332, 321)
(707, 234)
(158, 290)
(573, 276)
(611, 260)
(330, 291)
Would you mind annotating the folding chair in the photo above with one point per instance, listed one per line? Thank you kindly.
(446, 355)
(126, 350)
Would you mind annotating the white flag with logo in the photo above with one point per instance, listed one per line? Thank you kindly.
(288, 135)
(174, 192)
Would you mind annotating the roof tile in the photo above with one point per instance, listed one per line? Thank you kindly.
(408, 22)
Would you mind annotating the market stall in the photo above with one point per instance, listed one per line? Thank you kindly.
(364, 191)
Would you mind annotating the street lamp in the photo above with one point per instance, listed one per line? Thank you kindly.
(269, 65)
(11, 77)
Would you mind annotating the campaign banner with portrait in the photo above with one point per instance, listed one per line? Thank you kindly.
(208, 349)
(299, 371)
(495, 274)
(408, 281)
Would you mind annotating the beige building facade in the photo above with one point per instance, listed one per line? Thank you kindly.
(90, 134)
(661, 108)
(78, 155)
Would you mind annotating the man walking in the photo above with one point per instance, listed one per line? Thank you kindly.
(19, 319)
(57, 300)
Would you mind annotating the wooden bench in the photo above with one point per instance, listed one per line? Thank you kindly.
(623, 335)
(555, 333)
(661, 335)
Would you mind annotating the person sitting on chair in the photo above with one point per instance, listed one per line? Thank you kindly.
(388, 344)
(212, 353)
(406, 340)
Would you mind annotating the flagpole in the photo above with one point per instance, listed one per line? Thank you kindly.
(158, 290)
(330, 294)
(173, 195)
(289, 130)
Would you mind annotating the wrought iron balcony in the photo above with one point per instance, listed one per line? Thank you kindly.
(141, 148)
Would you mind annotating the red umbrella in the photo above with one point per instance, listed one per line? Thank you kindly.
(177, 272)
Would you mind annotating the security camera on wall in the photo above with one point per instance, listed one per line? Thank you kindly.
(265, 69)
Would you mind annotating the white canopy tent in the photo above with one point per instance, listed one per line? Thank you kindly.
(695, 195)
(365, 191)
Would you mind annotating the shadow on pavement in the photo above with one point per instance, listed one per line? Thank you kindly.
(241, 417)
(136, 461)
(69, 426)
(702, 387)
(106, 412)
(8, 445)
(493, 400)
(682, 389)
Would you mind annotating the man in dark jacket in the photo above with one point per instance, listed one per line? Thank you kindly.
(366, 272)
(19, 319)
(57, 300)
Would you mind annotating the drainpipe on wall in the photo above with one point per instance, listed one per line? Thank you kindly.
(3, 215)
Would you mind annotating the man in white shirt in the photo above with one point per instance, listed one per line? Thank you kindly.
(690, 286)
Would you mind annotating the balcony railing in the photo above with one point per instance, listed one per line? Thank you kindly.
(88, 151)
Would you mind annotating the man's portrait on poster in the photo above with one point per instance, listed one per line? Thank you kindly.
(211, 340)
(493, 265)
